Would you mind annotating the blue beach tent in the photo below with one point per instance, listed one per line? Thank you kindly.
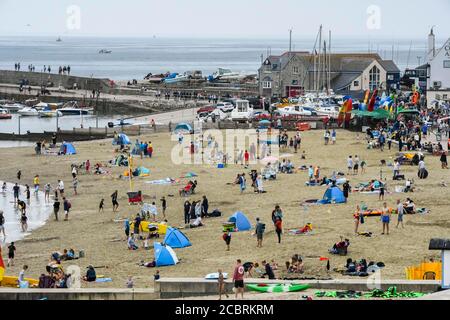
(333, 195)
(176, 239)
(164, 255)
(68, 149)
(241, 221)
(122, 140)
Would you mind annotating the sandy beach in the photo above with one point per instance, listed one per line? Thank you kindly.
(103, 240)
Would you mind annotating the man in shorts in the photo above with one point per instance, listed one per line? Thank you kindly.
(401, 212)
(238, 278)
(259, 232)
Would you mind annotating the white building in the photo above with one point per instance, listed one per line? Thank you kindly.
(438, 70)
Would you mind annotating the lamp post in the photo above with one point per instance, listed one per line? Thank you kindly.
(19, 122)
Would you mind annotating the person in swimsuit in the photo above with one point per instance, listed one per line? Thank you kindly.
(386, 219)
(221, 285)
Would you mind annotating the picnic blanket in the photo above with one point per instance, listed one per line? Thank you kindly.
(167, 181)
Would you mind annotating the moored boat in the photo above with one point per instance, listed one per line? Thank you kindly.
(28, 112)
(4, 114)
(69, 111)
(49, 113)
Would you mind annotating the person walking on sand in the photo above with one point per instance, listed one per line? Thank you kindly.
(75, 185)
(164, 207)
(242, 183)
(401, 212)
(47, 189)
(61, 188)
(56, 206)
(221, 285)
(67, 206)
(259, 230)
(349, 165)
(11, 254)
(36, 183)
(227, 239)
(279, 228)
(115, 204)
(101, 206)
(27, 192)
(238, 278)
(359, 218)
(386, 219)
(24, 222)
(88, 166)
(16, 190)
(382, 191)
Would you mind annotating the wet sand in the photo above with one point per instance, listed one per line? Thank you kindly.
(103, 240)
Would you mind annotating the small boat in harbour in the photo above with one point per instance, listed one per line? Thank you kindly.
(69, 111)
(49, 113)
(12, 107)
(28, 112)
(4, 114)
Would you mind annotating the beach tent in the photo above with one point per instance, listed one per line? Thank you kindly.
(333, 195)
(241, 221)
(183, 128)
(67, 149)
(139, 172)
(122, 140)
(164, 255)
(176, 239)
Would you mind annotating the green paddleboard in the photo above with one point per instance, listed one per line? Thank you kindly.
(278, 288)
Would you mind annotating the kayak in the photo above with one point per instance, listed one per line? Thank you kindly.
(12, 282)
(215, 276)
(278, 288)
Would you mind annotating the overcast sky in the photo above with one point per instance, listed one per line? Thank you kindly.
(225, 18)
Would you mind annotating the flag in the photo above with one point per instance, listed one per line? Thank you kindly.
(371, 105)
(2, 266)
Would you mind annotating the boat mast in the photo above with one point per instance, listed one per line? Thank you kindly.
(329, 63)
(320, 60)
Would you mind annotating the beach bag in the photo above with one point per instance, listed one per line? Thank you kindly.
(69, 205)
(422, 174)
(216, 213)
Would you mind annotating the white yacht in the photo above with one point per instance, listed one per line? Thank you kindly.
(28, 112)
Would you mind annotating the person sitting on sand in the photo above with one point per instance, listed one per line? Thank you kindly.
(410, 206)
(91, 276)
(131, 244)
(296, 264)
(197, 223)
(340, 247)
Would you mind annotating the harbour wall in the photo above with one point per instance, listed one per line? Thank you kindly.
(66, 81)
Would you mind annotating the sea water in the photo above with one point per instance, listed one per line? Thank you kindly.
(134, 58)
(37, 211)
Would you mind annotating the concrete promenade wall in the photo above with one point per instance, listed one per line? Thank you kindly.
(79, 294)
(172, 288)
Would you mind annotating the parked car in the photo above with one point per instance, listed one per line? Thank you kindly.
(225, 106)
